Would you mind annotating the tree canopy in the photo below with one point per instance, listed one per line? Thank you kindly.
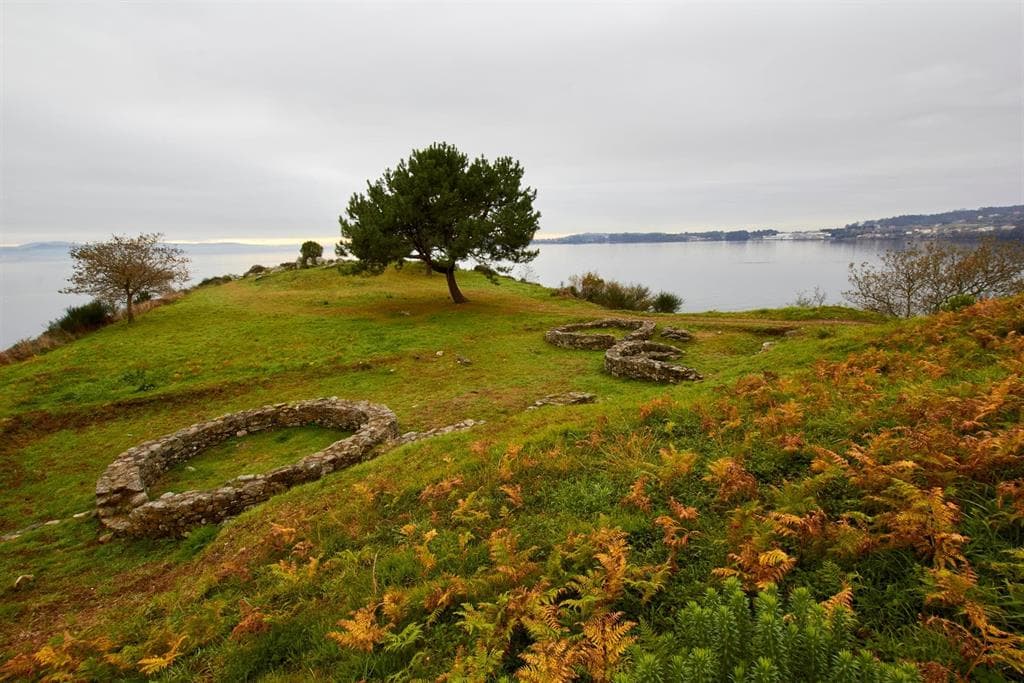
(310, 251)
(123, 267)
(439, 207)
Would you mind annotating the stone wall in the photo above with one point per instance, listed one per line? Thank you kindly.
(647, 360)
(122, 500)
(571, 337)
(634, 356)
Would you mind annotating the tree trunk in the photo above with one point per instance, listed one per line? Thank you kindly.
(453, 287)
(130, 310)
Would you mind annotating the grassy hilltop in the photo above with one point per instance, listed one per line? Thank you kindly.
(849, 496)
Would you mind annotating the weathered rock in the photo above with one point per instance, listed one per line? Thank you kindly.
(122, 501)
(462, 360)
(647, 361)
(571, 337)
(23, 581)
(409, 437)
(677, 334)
(567, 398)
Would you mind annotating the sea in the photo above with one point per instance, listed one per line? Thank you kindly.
(719, 276)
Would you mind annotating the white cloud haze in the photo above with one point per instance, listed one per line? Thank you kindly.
(246, 120)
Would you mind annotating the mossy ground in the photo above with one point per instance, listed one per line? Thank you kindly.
(252, 454)
(257, 596)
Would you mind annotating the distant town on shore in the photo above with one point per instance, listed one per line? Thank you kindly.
(1003, 222)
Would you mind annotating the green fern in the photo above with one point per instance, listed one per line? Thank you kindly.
(404, 639)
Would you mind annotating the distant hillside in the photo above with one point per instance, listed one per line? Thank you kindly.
(1004, 222)
(1001, 220)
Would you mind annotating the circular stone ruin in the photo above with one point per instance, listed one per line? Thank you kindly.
(647, 360)
(571, 337)
(123, 504)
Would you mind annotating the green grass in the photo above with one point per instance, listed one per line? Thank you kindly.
(305, 334)
(252, 454)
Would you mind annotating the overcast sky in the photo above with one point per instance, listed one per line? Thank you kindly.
(254, 121)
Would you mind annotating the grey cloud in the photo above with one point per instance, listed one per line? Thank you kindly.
(259, 120)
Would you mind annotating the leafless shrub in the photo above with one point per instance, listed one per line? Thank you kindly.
(925, 279)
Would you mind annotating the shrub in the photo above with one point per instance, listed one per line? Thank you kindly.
(608, 293)
(26, 348)
(256, 270)
(958, 302)
(666, 302)
(488, 272)
(90, 316)
(215, 280)
(588, 286)
(922, 280)
(352, 268)
(629, 297)
(814, 298)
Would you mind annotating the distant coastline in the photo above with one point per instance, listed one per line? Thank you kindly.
(1003, 222)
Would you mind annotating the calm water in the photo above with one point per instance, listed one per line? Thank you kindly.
(720, 276)
(30, 280)
(723, 276)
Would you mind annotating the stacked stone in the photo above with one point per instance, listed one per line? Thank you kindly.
(571, 337)
(676, 334)
(409, 437)
(647, 360)
(568, 398)
(123, 504)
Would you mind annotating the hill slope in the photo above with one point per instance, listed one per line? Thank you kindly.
(872, 468)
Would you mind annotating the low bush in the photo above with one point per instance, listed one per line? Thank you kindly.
(958, 302)
(217, 280)
(612, 294)
(352, 268)
(77, 319)
(76, 322)
(625, 297)
(666, 302)
(255, 270)
(24, 349)
(814, 298)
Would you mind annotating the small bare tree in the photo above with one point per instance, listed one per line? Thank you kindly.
(124, 267)
(924, 279)
(814, 298)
